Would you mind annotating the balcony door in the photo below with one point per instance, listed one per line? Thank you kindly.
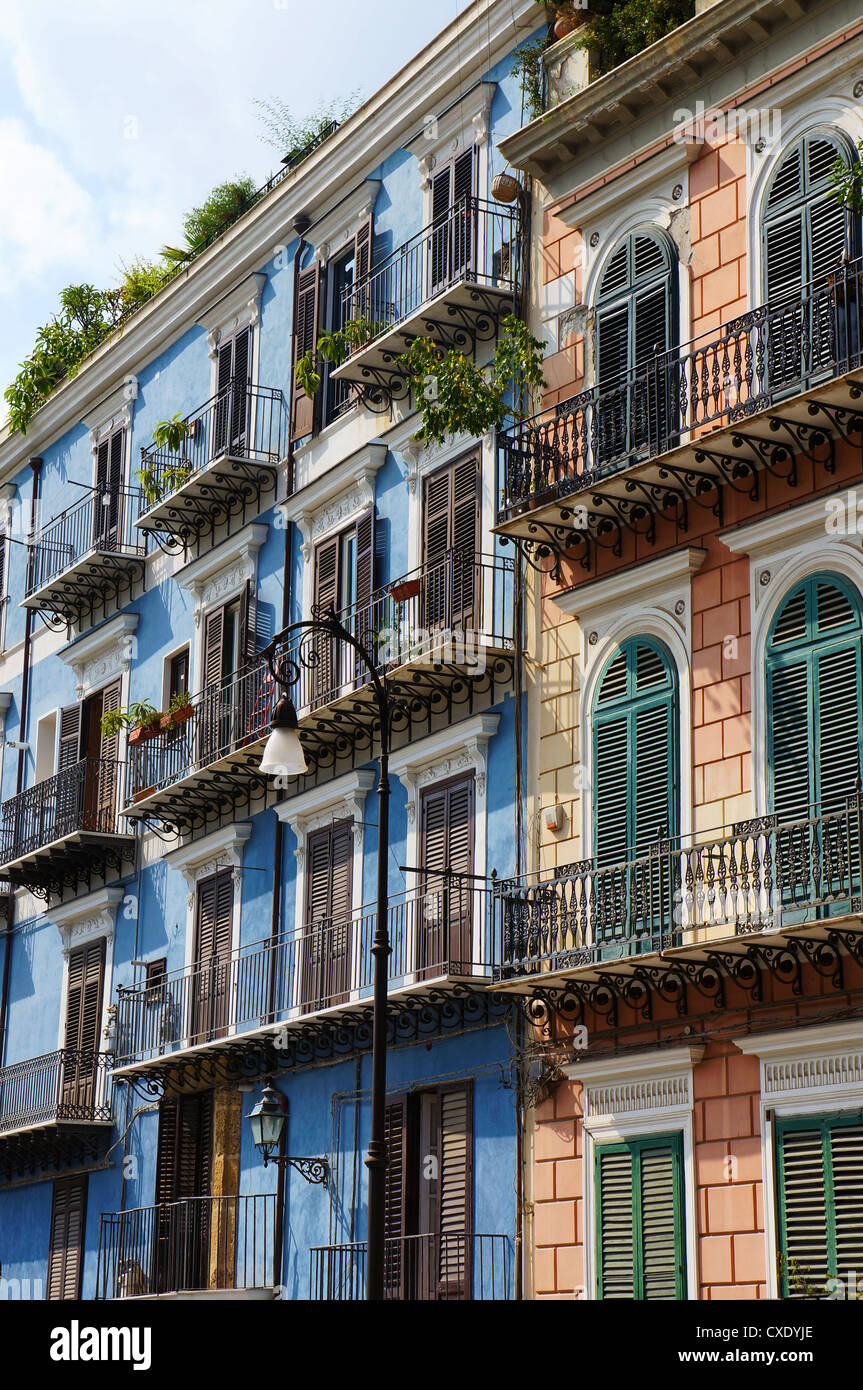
(805, 236)
(344, 581)
(108, 497)
(636, 325)
(85, 984)
(453, 233)
(328, 937)
(210, 994)
(451, 501)
(227, 654)
(101, 752)
(180, 1250)
(429, 1194)
(231, 421)
(445, 919)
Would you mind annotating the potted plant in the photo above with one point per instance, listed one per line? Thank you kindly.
(566, 17)
(178, 711)
(143, 722)
(404, 589)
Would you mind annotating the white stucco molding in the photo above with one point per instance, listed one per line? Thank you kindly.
(808, 1068)
(337, 228)
(336, 497)
(223, 570)
(86, 919)
(239, 308)
(339, 800)
(103, 654)
(117, 408)
(202, 858)
(641, 1084)
(441, 135)
(461, 748)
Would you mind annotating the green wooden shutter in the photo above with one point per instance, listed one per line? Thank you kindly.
(814, 699)
(640, 1219)
(819, 1162)
(635, 751)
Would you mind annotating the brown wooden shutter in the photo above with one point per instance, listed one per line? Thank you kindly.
(184, 1148)
(84, 996)
(326, 590)
(360, 306)
(246, 645)
(66, 1252)
(329, 905)
(109, 752)
(366, 618)
(214, 638)
(444, 928)
(450, 525)
(455, 1181)
(210, 994)
(214, 917)
(240, 387)
(68, 750)
(395, 1194)
(306, 312)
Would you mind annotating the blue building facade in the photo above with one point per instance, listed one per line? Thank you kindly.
(183, 928)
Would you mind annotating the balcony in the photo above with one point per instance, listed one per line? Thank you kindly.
(55, 1111)
(85, 558)
(778, 383)
(187, 774)
(453, 282)
(197, 1247)
(454, 1267)
(64, 833)
(195, 1021)
(227, 460)
(773, 894)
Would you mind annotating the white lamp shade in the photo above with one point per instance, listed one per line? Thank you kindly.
(283, 754)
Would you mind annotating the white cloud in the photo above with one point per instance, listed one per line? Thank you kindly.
(49, 221)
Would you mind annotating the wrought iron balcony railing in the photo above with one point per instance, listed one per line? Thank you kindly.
(80, 799)
(474, 241)
(451, 612)
(442, 932)
(764, 876)
(454, 1266)
(68, 1085)
(759, 359)
(241, 425)
(100, 524)
(189, 1246)
(223, 720)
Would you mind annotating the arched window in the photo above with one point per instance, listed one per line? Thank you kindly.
(635, 751)
(813, 698)
(636, 326)
(804, 229)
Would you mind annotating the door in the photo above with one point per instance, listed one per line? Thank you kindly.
(636, 326)
(344, 582)
(326, 976)
(233, 400)
(444, 928)
(453, 232)
(85, 987)
(210, 992)
(181, 1235)
(66, 1250)
(227, 642)
(108, 507)
(451, 587)
(101, 754)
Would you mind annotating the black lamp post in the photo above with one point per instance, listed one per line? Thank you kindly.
(283, 754)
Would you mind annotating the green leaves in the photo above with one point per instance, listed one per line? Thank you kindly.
(457, 396)
(219, 210)
(847, 180)
(170, 434)
(333, 347)
(619, 29)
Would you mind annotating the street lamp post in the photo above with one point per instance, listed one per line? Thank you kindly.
(283, 753)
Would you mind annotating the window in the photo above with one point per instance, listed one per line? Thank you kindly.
(345, 580)
(453, 220)
(212, 976)
(805, 234)
(109, 521)
(429, 1194)
(813, 699)
(819, 1161)
(640, 1219)
(233, 404)
(446, 844)
(636, 791)
(327, 946)
(66, 1250)
(636, 327)
(178, 674)
(88, 801)
(338, 395)
(450, 542)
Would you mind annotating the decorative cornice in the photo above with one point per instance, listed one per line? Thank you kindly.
(224, 570)
(338, 227)
(322, 805)
(239, 308)
(103, 654)
(463, 748)
(658, 1080)
(335, 497)
(88, 918)
(441, 135)
(202, 858)
(638, 584)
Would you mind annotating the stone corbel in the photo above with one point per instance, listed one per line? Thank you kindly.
(322, 253)
(213, 340)
(412, 453)
(425, 165)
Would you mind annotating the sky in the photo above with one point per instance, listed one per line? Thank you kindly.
(115, 119)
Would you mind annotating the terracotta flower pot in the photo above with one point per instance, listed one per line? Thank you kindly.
(563, 25)
(180, 716)
(137, 736)
(142, 793)
(405, 589)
